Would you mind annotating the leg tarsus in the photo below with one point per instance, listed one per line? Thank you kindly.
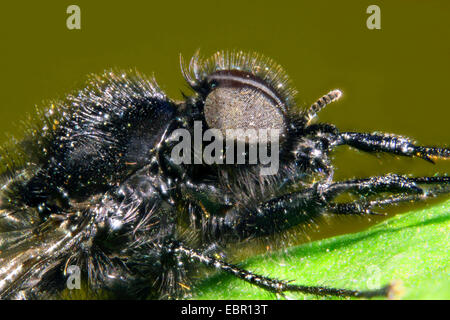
(430, 153)
(325, 291)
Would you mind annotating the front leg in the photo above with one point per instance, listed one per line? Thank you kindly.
(374, 142)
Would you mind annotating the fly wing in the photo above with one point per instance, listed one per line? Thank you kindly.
(28, 253)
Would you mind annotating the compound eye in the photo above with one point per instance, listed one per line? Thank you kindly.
(240, 100)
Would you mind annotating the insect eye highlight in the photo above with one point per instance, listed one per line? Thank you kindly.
(213, 84)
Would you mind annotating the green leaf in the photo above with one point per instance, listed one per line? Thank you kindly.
(411, 247)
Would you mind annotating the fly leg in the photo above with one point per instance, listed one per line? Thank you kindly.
(274, 285)
(409, 189)
(375, 142)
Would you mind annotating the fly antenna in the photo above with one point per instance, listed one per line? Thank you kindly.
(322, 103)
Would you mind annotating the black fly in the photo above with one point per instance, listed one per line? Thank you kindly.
(94, 183)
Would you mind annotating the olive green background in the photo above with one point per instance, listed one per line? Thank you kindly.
(394, 79)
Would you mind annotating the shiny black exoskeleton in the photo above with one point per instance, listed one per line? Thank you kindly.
(94, 183)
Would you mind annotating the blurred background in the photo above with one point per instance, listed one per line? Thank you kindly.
(394, 79)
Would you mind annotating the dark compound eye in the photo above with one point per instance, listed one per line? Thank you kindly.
(240, 100)
(241, 91)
